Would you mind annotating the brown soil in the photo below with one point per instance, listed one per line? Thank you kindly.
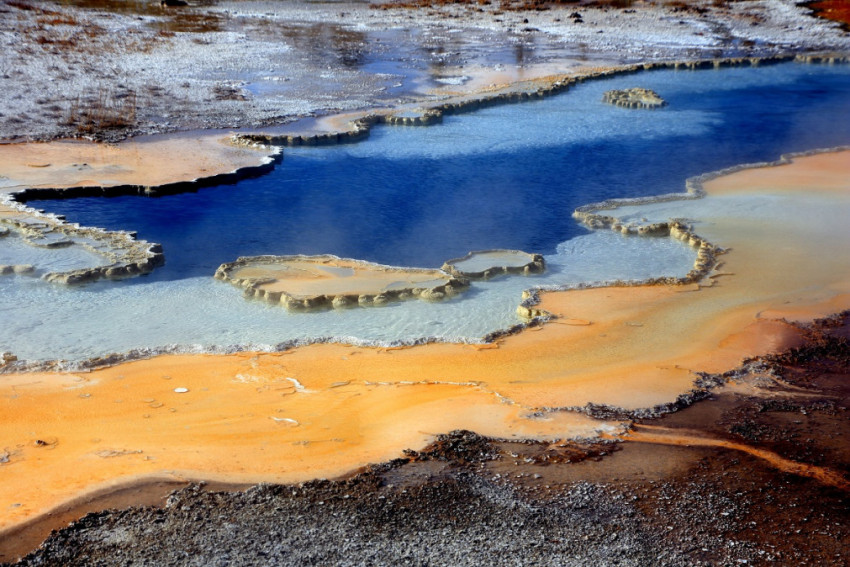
(836, 10)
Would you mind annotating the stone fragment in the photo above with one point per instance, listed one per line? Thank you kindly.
(634, 98)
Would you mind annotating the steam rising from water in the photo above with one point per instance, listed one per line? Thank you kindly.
(505, 177)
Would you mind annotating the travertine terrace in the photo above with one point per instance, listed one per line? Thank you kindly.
(115, 254)
(485, 264)
(316, 282)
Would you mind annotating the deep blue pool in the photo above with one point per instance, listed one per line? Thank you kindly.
(505, 177)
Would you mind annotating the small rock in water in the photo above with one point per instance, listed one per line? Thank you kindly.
(634, 98)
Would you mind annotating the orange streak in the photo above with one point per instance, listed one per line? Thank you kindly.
(665, 436)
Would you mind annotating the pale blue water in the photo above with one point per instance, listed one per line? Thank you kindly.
(505, 177)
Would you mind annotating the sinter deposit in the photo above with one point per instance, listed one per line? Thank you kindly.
(485, 264)
(314, 282)
(111, 254)
(634, 98)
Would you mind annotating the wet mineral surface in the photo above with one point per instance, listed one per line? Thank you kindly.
(716, 499)
(314, 282)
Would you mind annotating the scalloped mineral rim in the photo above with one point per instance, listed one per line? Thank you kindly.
(122, 254)
(483, 264)
(301, 282)
(634, 98)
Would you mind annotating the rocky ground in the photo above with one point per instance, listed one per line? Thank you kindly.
(724, 497)
(109, 69)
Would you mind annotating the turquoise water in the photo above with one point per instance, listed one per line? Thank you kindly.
(504, 177)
